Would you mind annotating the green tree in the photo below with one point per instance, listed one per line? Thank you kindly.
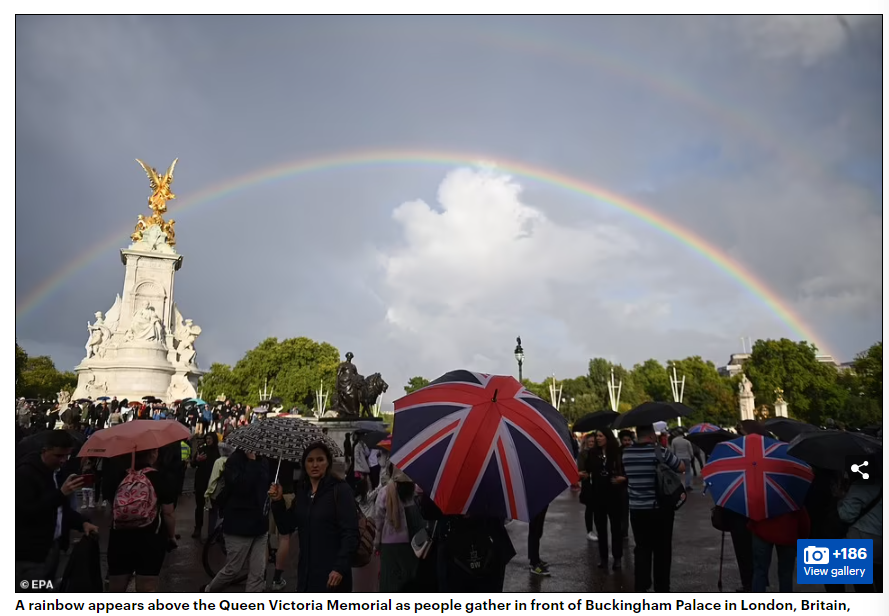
(217, 382)
(810, 387)
(41, 379)
(653, 381)
(295, 368)
(709, 395)
(868, 368)
(415, 383)
(21, 360)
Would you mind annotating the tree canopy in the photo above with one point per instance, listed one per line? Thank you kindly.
(37, 377)
(814, 391)
(293, 368)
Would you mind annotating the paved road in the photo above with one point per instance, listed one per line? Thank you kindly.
(573, 559)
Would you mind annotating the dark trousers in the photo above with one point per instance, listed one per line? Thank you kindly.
(199, 502)
(535, 532)
(742, 542)
(624, 514)
(588, 517)
(653, 532)
(374, 476)
(762, 562)
(609, 509)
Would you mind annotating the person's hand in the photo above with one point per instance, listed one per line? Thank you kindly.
(71, 485)
(334, 579)
(90, 529)
(584, 474)
(276, 492)
(618, 479)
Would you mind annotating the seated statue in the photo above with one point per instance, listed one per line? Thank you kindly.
(146, 325)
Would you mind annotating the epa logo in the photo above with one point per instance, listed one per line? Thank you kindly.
(36, 584)
(813, 555)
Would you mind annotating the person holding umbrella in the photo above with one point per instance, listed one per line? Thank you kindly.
(326, 517)
(755, 477)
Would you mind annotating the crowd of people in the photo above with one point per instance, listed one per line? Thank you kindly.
(372, 528)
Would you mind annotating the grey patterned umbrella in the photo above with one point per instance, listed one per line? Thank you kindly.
(280, 437)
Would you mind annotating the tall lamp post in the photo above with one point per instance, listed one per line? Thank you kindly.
(519, 355)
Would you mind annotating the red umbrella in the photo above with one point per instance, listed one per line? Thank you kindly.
(133, 436)
(483, 445)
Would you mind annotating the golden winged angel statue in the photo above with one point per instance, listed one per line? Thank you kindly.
(157, 202)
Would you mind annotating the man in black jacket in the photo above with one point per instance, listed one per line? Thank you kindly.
(43, 513)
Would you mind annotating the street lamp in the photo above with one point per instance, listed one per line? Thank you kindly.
(519, 355)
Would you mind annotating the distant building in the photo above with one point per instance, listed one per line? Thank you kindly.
(736, 364)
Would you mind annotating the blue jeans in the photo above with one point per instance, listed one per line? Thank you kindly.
(762, 561)
(689, 472)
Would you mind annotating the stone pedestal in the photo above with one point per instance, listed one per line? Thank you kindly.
(142, 346)
(747, 406)
(337, 429)
(781, 409)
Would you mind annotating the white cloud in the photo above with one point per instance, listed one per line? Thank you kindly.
(476, 268)
(805, 38)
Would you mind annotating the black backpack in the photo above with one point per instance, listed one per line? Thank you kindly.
(669, 489)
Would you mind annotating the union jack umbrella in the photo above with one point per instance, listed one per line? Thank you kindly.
(756, 477)
(482, 444)
(701, 428)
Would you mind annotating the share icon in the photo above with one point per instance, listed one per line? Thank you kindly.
(856, 468)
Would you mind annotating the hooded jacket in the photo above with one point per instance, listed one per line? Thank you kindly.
(37, 500)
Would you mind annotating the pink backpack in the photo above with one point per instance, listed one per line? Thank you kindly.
(135, 502)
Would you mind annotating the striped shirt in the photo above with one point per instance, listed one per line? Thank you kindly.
(639, 467)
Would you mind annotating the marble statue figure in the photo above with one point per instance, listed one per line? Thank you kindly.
(146, 324)
(99, 336)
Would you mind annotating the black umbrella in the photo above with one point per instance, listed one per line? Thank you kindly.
(648, 413)
(600, 420)
(36, 442)
(372, 439)
(828, 449)
(786, 428)
(708, 440)
(750, 426)
(280, 438)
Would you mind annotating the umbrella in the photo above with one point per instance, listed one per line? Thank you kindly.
(280, 438)
(367, 426)
(756, 477)
(600, 420)
(481, 444)
(81, 401)
(103, 398)
(706, 441)
(749, 426)
(36, 442)
(649, 413)
(135, 404)
(703, 428)
(829, 449)
(786, 428)
(385, 444)
(197, 401)
(133, 436)
(372, 438)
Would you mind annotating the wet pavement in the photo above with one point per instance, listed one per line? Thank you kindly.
(572, 557)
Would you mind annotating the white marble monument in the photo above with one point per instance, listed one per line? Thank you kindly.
(142, 346)
(745, 397)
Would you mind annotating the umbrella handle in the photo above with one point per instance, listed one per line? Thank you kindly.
(278, 472)
(721, 555)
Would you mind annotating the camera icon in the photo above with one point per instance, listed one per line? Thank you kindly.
(813, 555)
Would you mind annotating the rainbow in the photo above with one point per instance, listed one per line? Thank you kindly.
(353, 159)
